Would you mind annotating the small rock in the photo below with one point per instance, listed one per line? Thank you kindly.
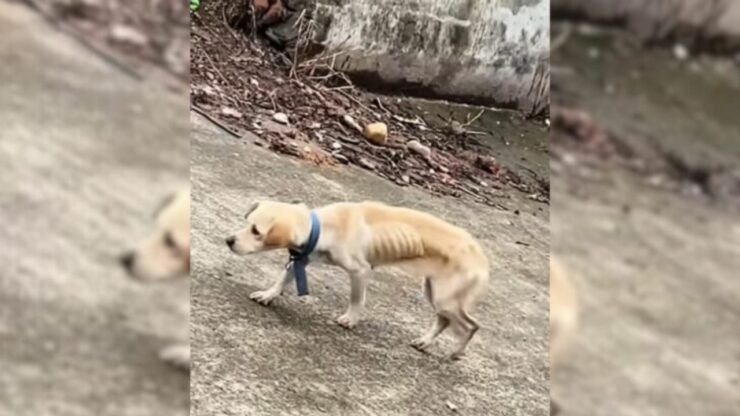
(315, 125)
(376, 133)
(254, 82)
(547, 122)
(444, 169)
(451, 406)
(341, 158)
(366, 163)
(275, 127)
(419, 148)
(231, 112)
(457, 128)
(681, 52)
(406, 179)
(127, 34)
(349, 121)
(336, 146)
(280, 118)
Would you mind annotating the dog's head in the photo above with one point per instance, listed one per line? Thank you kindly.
(166, 252)
(270, 225)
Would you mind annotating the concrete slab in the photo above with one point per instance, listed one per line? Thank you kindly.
(85, 154)
(292, 359)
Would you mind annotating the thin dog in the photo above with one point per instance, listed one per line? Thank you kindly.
(359, 237)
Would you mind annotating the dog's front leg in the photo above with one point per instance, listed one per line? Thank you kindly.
(358, 287)
(264, 297)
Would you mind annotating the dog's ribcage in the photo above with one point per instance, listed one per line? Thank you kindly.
(392, 242)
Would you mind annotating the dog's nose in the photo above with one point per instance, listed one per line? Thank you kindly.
(230, 241)
(127, 260)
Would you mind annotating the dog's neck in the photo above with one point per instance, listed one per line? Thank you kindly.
(303, 229)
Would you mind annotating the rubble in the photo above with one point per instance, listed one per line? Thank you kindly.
(328, 112)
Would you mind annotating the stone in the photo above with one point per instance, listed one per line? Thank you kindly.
(231, 112)
(419, 148)
(127, 34)
(681, 52)
(350, 122)
(376, 133)
(281, 118)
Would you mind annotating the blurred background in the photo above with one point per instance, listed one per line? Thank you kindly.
(645, 165)
(94, 135)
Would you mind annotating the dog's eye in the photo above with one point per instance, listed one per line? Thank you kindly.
(255, 231)
(169, 241)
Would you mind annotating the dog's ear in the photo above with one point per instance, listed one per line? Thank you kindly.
(279, 236)
(251, 209)
(163, 204)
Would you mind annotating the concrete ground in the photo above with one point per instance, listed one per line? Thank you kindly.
(292, 359)
(657, 270)
(86, 153)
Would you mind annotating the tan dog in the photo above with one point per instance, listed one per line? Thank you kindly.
(361, 236)
(165, 254)
(563, 315)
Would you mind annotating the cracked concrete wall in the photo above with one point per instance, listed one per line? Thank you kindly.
(480, 51)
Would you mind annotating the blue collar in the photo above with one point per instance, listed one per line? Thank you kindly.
(299, 257)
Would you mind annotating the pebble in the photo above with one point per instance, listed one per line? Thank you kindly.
(419, 148)
(376, 133)
(681, 52)
(366, 163)
(127, 34)
(457, 128)
(336, 145)
(231, 112)
(349, 121)
(280, 118)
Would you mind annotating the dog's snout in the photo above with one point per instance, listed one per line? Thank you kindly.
(127, 260)
(230, 241)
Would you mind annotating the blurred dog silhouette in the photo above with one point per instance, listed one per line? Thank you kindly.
(563, 317)
(165, 254)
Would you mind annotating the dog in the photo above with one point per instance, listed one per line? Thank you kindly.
(563, 317)
(359, 237)
(165, 254)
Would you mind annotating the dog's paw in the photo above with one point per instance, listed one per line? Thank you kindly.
(420, 344)
(177, 356)
(263, 297)
(347, 321)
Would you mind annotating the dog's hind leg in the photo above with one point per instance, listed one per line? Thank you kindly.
(440, 323)
(452, 297)
(467, 329)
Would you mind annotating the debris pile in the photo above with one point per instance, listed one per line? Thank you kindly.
(145, 36)
(309, 109)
